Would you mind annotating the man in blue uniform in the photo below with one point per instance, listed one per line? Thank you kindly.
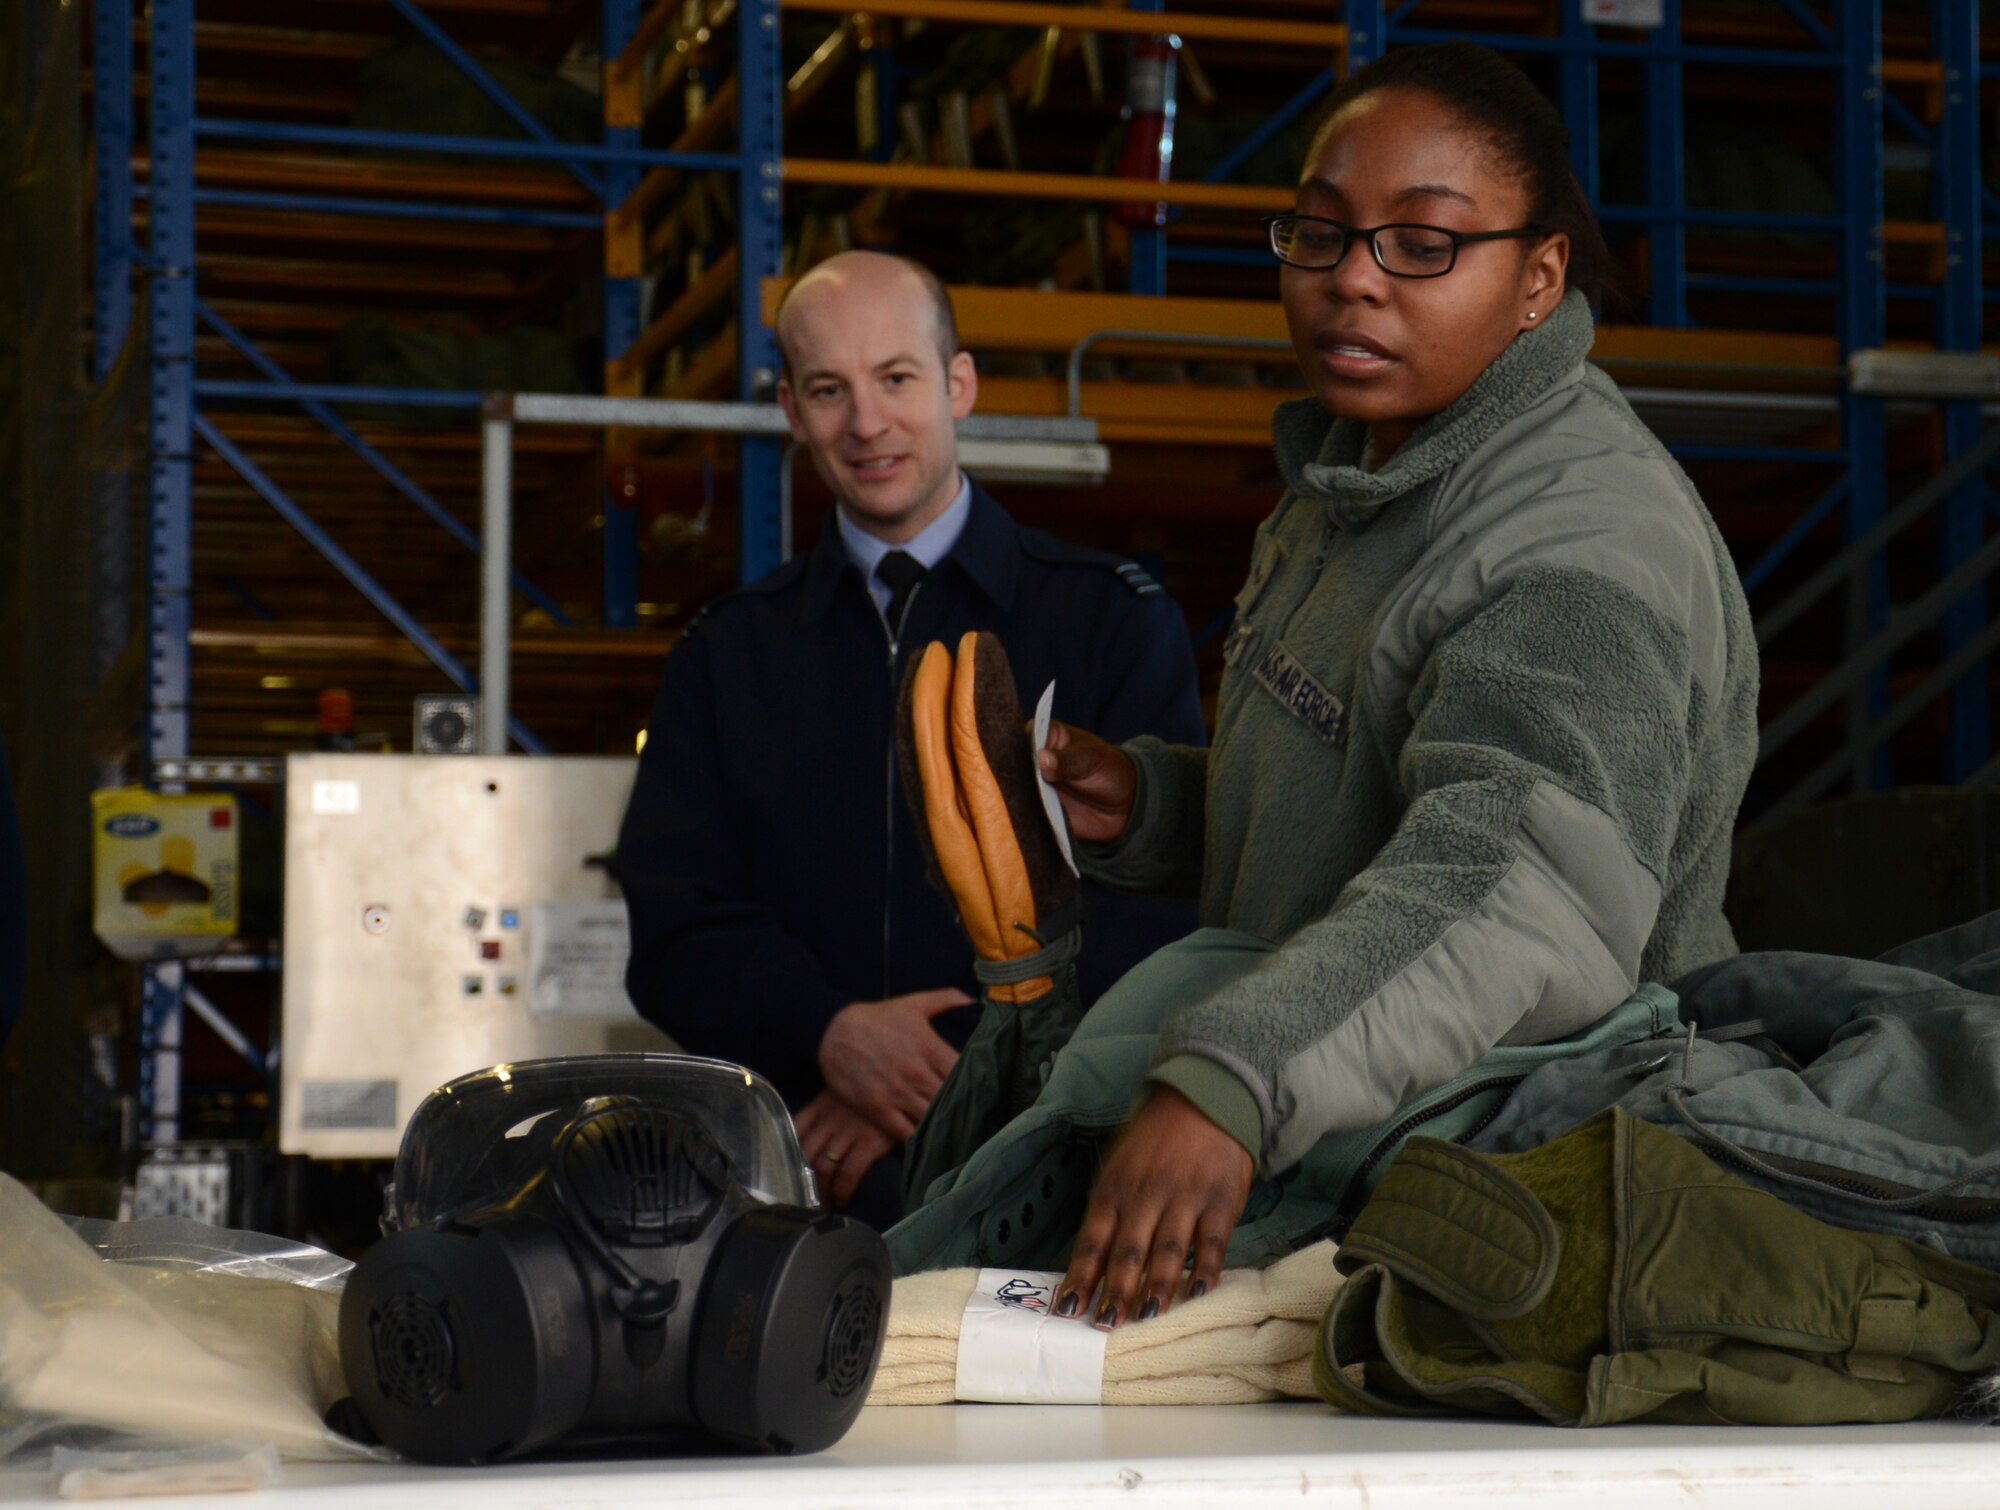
(780, 913)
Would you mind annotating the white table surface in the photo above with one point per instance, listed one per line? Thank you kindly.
(1204, 1458)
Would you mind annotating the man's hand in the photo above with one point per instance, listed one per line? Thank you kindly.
(840, 1144)
(886, 1061)
(1095, 780)
(1173, 1185)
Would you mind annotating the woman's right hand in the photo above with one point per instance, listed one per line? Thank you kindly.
(1095, 780)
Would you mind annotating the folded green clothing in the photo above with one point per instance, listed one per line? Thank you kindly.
(1619, 1274)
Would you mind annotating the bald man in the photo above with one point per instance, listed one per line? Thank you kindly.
(780, 913)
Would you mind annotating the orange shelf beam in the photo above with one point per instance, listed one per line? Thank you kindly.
(623, 374)
(1814, 356)
(1023, 319)
(622, 73)
(1322, 35)
(1914, 232)
(1196, 414)
(1026, 319)
(1001, 182)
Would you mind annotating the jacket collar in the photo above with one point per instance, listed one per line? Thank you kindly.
(1320, 455)
(988, 552)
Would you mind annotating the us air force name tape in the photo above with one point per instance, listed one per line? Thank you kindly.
(1285, 679)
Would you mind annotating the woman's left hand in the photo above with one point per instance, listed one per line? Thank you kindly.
(1173, 1185)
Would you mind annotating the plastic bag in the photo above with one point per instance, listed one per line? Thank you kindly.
(158, 1353)
(176, 1243)
(217, 1468)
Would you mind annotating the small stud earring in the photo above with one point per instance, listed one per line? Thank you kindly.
(1531, 314)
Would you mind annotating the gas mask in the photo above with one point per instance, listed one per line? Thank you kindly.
(614, 1250)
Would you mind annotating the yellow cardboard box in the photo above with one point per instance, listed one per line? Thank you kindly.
(167, 869)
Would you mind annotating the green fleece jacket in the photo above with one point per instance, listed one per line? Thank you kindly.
(1486, 718)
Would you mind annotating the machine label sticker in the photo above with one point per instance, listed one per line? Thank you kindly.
(1294, 686)
(1012, 1350)
(336, 796)
(577, 953)
(348, 1103)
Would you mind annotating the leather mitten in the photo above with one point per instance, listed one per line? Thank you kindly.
(969, 772)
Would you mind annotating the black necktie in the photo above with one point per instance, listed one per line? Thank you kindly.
(900, 573)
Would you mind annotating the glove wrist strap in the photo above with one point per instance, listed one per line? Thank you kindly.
(1048, 959)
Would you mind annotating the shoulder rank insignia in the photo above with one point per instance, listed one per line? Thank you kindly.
(1136, 577)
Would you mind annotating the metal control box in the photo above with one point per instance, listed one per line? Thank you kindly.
(442, 916)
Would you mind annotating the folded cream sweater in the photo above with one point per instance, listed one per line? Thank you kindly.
(1248, 1339)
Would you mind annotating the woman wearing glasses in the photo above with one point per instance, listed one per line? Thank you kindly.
(1490, 697)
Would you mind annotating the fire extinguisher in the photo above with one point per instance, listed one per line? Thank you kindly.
(1148, 149)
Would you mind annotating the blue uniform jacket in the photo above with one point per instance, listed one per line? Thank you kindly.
(769, 859)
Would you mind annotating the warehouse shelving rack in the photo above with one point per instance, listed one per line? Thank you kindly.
(618, 181)
(182, 402)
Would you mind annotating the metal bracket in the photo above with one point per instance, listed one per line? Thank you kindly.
(254, 770)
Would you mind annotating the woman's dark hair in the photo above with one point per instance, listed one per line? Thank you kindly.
(1493, 96)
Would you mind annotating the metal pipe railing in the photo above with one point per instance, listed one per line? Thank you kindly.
(1073, 372)
(496, 556)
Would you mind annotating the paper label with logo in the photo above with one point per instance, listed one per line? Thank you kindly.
(1012, 1349)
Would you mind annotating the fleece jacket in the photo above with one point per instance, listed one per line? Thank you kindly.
(1486, 717)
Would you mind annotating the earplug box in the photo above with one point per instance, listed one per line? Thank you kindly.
(167, 871)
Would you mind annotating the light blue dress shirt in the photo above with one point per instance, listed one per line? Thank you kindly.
(931, 545)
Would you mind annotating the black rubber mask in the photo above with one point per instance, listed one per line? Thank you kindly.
(619, 1250)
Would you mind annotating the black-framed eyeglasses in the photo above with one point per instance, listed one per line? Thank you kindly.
(1403, 251)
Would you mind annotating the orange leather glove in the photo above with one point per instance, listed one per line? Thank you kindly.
(969, 771)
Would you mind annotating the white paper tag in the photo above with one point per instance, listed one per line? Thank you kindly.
(1051, 803)
(1012, 1351)
(336, 796)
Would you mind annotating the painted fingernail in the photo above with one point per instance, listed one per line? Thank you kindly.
(1198, 1289)
(1108, 1317)
(1150, 1309)
(1069, 1304)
